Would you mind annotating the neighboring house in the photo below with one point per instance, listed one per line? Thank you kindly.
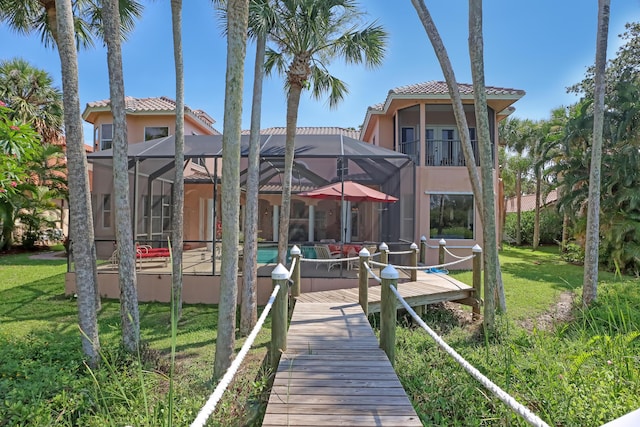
(528, 202)
(418, 120)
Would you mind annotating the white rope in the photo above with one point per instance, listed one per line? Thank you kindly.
(451, 254)
(520, 409)
(451, 247)
(401, 252)
(422, 267)
(215, 397)
(377, 279)
(322, 260)
(290, 272)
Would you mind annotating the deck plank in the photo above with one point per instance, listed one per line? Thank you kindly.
(333, 372)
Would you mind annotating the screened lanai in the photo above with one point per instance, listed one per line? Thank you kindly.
(319, 160)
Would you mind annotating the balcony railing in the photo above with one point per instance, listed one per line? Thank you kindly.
(440, 152)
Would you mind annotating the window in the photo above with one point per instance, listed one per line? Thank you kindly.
(106, 136)
(106, 211)
(451, 216)
(408, 143)
(154, 132)
(160, 215)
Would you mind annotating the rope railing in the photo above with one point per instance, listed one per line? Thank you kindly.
(452, 255)
(293, 266)
(370, 271)
(215, 397)
(401, 252)
(423, 267)
(505, 397)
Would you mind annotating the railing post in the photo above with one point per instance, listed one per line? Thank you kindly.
(441, 245)
(384, 254)
(279, 314)
(414, 262)
(363, 281)
(388, 314)
(295, 256)
(477, 272)
(423, 249)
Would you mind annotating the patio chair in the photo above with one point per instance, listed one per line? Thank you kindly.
(323, 252)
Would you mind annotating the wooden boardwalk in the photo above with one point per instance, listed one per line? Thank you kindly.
(428, 289)
(334, 374)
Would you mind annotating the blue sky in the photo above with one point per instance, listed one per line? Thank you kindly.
(539, 46)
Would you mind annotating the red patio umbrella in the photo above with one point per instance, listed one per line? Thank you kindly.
(353, 192)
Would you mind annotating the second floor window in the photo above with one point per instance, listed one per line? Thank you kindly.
(154, 132)
(106, 136)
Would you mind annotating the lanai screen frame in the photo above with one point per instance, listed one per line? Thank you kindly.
(390, 171)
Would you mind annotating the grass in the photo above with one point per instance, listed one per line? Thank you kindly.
(581, 373)
(585, 372)
(43, 380)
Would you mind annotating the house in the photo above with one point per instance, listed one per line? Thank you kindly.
(418, 120)
(528, 202)
(409, 147)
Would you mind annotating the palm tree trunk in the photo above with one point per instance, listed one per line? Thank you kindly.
(590, 279)
(492, 273)
(129, 316)
(177, 220)
(536, 219)
(237, 14)
(81, 226)
(249, 305)
(293, 102)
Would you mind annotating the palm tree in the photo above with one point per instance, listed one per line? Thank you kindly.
(237, 16)
(129, 315)
(492, 272)
(590, 279)
(81, 225)
(492, 283)
(310, 34)
(177, 225)
(33, 99)
(261, 20)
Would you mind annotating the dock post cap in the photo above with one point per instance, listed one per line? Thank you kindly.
(389, 272)
(280, 273)
(295, 250)
(442, 242)
(383, 247)
(413, 246)
(423, 238)
(476, 249)
(364, 252)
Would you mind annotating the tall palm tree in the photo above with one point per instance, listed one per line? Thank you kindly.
(261, 20)
(492, 283)
(129, 315)
(492, 272)
(237, 16)
(310, 34)
(33, 99)
(81, 225)
(590, 278)
(177, 225)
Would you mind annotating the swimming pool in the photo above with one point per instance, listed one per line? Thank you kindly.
(269, 254)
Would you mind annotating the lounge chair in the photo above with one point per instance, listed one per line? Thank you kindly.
(323, 252)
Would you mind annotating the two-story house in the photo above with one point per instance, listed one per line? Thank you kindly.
(418, 120)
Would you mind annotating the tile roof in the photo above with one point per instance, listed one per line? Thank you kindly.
(528, 202)
(440, 88)
(149, 105)
(311, 130)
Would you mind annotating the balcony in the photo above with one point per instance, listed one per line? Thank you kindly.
(440, 152)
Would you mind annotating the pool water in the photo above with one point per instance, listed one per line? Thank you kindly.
(269, 254)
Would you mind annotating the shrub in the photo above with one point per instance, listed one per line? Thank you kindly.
(550, 226)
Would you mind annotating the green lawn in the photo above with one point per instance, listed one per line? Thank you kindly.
(583, 373)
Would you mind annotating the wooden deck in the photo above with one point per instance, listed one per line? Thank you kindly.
(428, 289)
(334, 374)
